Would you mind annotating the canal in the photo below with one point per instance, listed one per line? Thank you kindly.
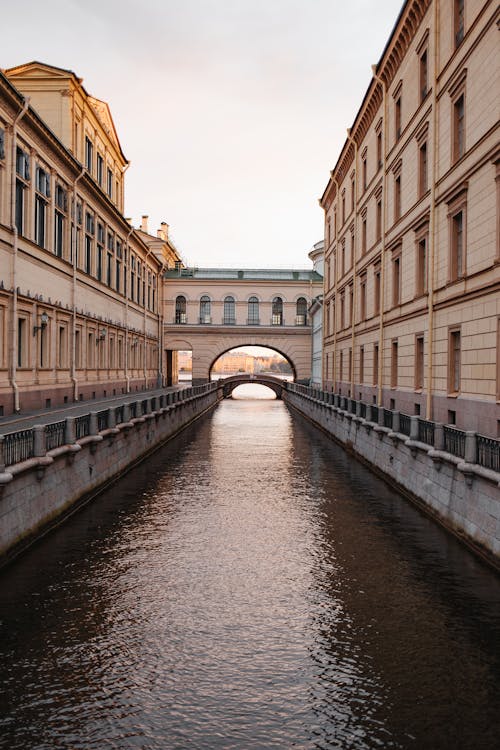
(249, 586)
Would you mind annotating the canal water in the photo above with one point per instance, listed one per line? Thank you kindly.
(249, 586)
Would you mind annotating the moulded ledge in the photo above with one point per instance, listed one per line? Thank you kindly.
(64, 450)
(32, 464)
(471, 470)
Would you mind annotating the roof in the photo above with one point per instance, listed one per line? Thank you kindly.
(245, 274)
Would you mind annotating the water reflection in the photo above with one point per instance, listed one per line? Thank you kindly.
(249, 587)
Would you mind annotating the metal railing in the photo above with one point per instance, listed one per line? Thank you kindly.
(388, 418)
(103, 419)
(454, 441)
(82, 426)
(488, 452)
(55, 434)
(119, 414)
(405, 424)
(18, 446)
(426, 431)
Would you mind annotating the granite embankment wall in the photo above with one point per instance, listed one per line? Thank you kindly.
(90, 452)
(456, 490)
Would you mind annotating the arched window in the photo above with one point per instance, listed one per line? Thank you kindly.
(301, 316)
(253, 311)
(205, 309)
(277, 319)
(180, 309)
(229, 313)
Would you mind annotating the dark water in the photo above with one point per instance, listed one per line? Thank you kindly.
(249, 587)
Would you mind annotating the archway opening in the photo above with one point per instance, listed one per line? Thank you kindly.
(252, 362)
(185, 367)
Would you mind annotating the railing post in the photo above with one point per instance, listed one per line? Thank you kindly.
(39, 440)
(470, 447)
(438, 436)
(111, 417)
(368, 415)
(358, 408)
(395, 421)
(413, 427)
(70, 431)
(126, 413)
(2, 455)
(381, 416)
(94, 423)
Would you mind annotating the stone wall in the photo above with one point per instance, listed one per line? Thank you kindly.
(37, 493)
(461, 495)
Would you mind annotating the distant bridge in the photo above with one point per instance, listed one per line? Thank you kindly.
(232, 382)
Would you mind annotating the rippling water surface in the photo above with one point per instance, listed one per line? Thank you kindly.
(250, 586)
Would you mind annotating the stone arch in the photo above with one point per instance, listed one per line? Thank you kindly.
(268, 346)
(229, 384)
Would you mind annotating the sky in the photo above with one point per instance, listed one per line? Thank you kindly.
(231, 112)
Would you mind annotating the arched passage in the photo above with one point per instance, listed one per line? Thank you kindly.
(229, 384)
(289, 372)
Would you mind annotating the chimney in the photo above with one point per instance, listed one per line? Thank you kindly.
(162, 232)
(144, 224)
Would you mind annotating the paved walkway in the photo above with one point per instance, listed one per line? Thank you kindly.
(27, 419)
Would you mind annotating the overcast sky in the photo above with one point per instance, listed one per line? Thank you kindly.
(232, 112)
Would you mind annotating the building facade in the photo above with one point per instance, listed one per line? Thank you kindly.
(212, 310)
(80, 289)
(412, 206)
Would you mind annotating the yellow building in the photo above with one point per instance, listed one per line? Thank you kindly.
(80, 289)
(412, 259)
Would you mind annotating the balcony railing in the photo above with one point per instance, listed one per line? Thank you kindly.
(253, 321)
(301, 320)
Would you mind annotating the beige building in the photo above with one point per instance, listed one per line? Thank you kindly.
(213, 310)
(412, 207)
(80, 289)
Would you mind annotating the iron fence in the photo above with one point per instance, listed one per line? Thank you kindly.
(374, 413)
(388, 418)
(454, 441)
(119, 414)
(488, 452)
(82, 426)
(103, 419)
(133, 409)
(18, 446)
(55, 435)
(404, 424)
(362, 409)
(144, 406)
(426, 431)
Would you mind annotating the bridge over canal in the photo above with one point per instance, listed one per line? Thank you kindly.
(210, 311)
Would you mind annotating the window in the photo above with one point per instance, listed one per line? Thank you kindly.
(301, 315)
(422, 170)
(61, 206)
(397, 117)
(351, 259)
(459, 128)
(90, 349)
(42, 187)
(343, 206)
(361, 364)
(22, 180)
(22, 342)
(376, 291)
(342, 258)
(379, 149)
(89, 154)
(2, 143)
(397, 197)
(454, 361)
(277, 312)
(109, 183)
(349, 366)
(375, 364)
(421, 275)
(341, 365)
(353, 193)
(205, 309)
(419, 362)
(99, 169)
(253, 311)
(180, 309)
(351, 304)
(459, 21)
(396, 280)
(109, 269)
(100, 252)
(394, 364)
(362, 297)
(62, 347)
(328, 233)
(457, 245)
(424, 75)
(229, 311)
(44, 347)
(363, 234)
(364, 171)
(378, 221)
(342, 309)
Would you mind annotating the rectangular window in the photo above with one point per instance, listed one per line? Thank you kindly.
(397, 117)
(378, 222)
(422, 170)
(421, 277)
(89, 154)
(98, 270)
(109, 269)
(90, 349)
(379, 149)
(396, 281)
(342, 310)
(394, 364)
(362, 298)
(457, 245)
(62, 347)
(99, 169)
(343, 206)
(353, 194)
(458, 21)
(375, 364)
(419, 363)
(341, 366)
(88, 254)
(454, 362)
(78, 349)
(459, 128)
(361, 364)
(118, 275)
(40, 216)
(2, 143)
(397, 197)
(363, 235)
(424, 75)
(20, 187)
(22, 343)
(349, 365)
(109, 183)
(364, 172)
(376, 291)
(351, 304)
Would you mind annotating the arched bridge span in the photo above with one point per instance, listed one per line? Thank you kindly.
(229, 384)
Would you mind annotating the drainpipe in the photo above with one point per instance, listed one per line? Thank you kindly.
(432, 222)
(355, 244)
(144, 322)
(160, 324)
(127, 376)
(13, 226)
(74, 246)
(335, 283)
(382, 253)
